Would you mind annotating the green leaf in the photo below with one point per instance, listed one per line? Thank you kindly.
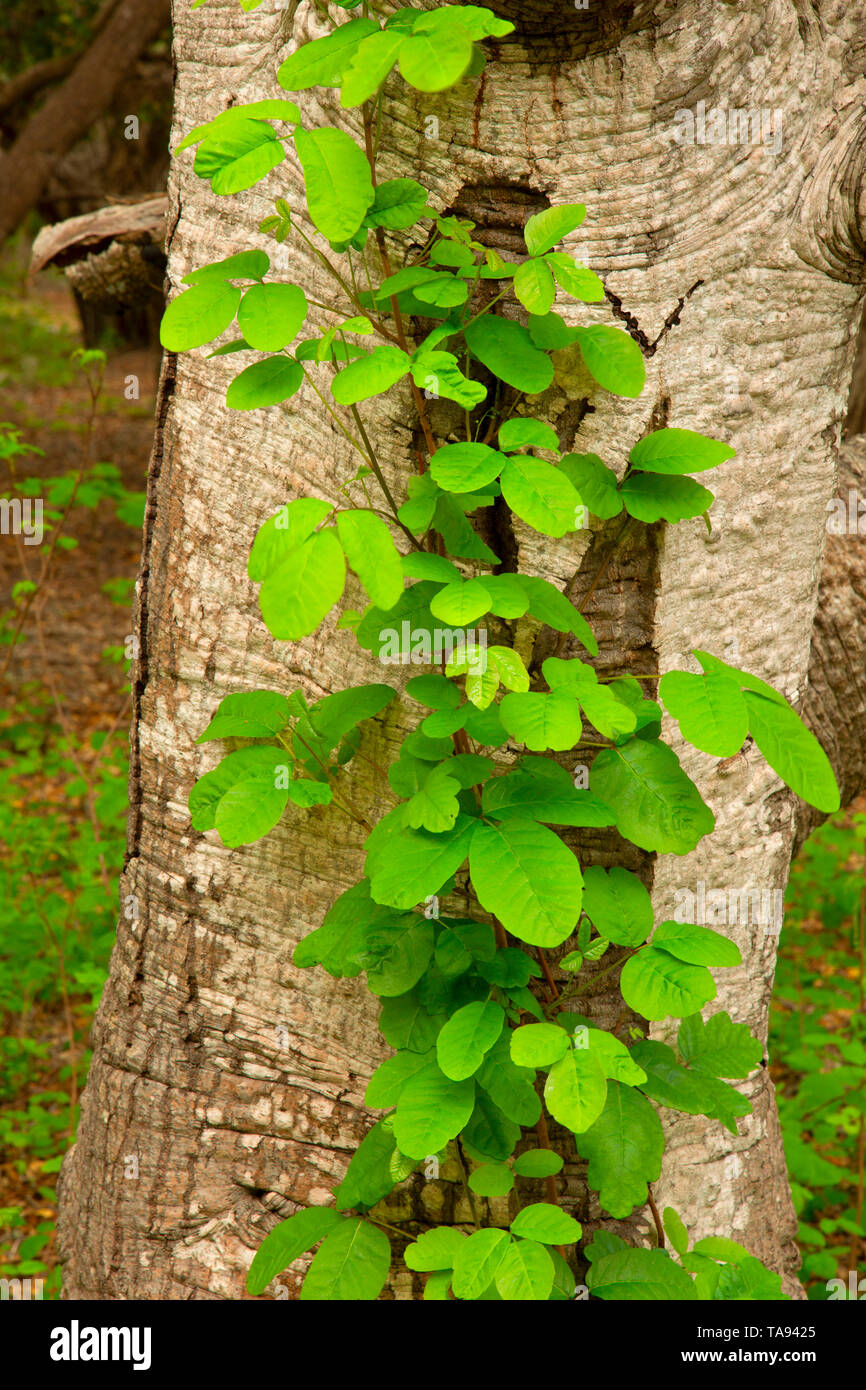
(466, 1037)
(526, 1272)
(249, 809)
(538, 1163)
(651, 497)
(542, 721)
(697, 945)
(618, 905)
(656, 805)
(522, 432)
(291, 1238)
(793, 752)
(534, 287)
(255, 766)
(391, 1076)
(370, 375)
(509, 599)
(436, 692)
(635, 1275)
(539, 1044)
(576, 1090)
(549, 605)
(431, 1110)
(656, 984)
(539, 789)
(371, 553)
(595, 482)
(507, 350)
(417, 863)
(720, 1248)
(284, 532)
(350, 1266)
(679, 451)
(574, 278)
(545, 229)
(612, 1056)
(624, 1149)
(250, 714)
(198, 315)
(710, 710)
(675, 1231)
(307, 792)
(490, 1136)
(324, 62)
(337, 180)
(541, 495)
(524, 875)
(236, 155)
(546, 1223)
(609, 714)
(491, 1180)
(436, 54)
(270, 315)
(613, 359)
(442, 290)
(434, 1250)
(372, 61)
(334, 715)
(749, 1281)
(299, 593)
(404, 1022)
(550, 332)
(435, 805)
(477, 1261)
(268, 382)
(510, 1087)
(440, 373)
(478, 21)
(668, 1083)
(245, 265)
(369, 1177)
(718, 1046)
(465, 467)
(398, 203)
(461, 603)
(397, 954)
(337, 943)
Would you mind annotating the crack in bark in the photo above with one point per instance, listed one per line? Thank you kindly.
(648, 345)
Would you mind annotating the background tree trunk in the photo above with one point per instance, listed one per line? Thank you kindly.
(233, 1080)
(73, 107)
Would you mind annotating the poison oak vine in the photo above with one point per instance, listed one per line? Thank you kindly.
(471, 1008)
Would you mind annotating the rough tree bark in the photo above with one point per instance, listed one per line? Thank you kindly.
(235, 1080)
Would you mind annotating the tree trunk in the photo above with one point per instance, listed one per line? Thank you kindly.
(226, 1085)
(73, 107)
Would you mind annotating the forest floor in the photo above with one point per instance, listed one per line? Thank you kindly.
(64, 707)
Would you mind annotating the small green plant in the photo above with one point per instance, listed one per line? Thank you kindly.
(469, 1004)
(62, 803)
(818, 1046)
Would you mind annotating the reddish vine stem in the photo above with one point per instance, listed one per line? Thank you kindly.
(551, 983)
(395, 308)
(660, 1230)
(549, 1182)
